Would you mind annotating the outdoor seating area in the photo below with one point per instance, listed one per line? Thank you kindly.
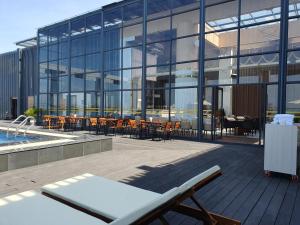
(156, 129)
(88, 199)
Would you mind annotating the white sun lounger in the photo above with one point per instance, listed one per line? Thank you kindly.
(31, 208)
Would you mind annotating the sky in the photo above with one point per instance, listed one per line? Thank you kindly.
(20, 19)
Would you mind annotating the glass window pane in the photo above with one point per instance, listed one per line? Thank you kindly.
(77, 27)
(157, 103)
(93, 63)
(272, 100)
(184, 5)
(93, 22)
(62, 104)
(217, 18)
(43, 85)
(63, 67)
(159, 30)
(77, 65)
(93, 82)
(183, 108)
(43, 54)
(113, 18)
(112, 60)
(158, 8)
(132, 57)
(132, 103)
(77, 46)
(294, 35)
(221, 44)
(64, 84)
(53, 84)
(43, 70)
(43, 104)
(92, 106)
(293, 70)
(158, 77)
(53, 69)
(113, 39)
(133, 35)
(186, 23)
(259, 11)
(53, 104)
(221, 71)
(113, 104)
(185, 74)
(133, 13)
(294, 8)
(112, 80)
(77, 82)
(63, 31)
(185, 49)
(53, 36)
(259, 69)
(93, 43)
(132, 79)
(53, 52)
(158, 53)
(293, 101)
(63, 48)
(43, 37)
(259, 39)
(77, 104)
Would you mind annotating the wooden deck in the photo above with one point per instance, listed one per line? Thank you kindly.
(243, 192)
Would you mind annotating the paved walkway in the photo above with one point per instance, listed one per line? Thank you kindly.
(243, 192)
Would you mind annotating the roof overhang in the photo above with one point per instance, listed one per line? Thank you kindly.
(30, 42)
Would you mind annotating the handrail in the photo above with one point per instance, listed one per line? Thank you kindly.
(14, 122)
(32, 123)
(23, 123)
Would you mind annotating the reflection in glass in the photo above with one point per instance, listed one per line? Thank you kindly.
(132, 103)
(77, 82)
(186, 23)
(93, 63)
(133, 13)
(159, 30)
(294, 33)
(184, 108)
(293, 100)
(112, 80)
(158, 77)
(184, 5)
(221, 44)
(112, 60)
(63, 48)
(133, 35)
(259, 68)
(92, 106)
(63, 84)
(53, 104)
(258, 11)
(259, 39)
(93, 43)
(77, 65)
(217, 18)
(77, 104)
(52, 70)
(113, 104)
(294, 8)
(62, 104)
(43, 85)
(157, 103)
(221, 71)
(185, 74)
(185, 49)
(43, 54)
(272, 96)
(53, 85)
(112, 39)
(77, 46)
(93, 22)
(113, 18)
(43, 70)
(77, 27)
(159, 53)
(293, 69)
(93, 81)
(132, 79)
(158, 8)
(132, 57)
(53, 52)
(63, 67)
(43, 104)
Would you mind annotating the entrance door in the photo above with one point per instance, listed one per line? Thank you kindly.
(14, 108)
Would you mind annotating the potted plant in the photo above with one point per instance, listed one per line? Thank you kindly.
(31, 112)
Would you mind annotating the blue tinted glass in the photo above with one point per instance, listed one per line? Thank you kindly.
(63, 83)
(113, 18)
(63, 31)
(158, 77)
(77, 82)
(158, 53)
(77, 104)
(77, 46)
(92, 106)
(43, 70)
(53, 84)
(158, 8)
(52, 69)
(159, 30)
(112, 60)
(43, 54)
(113, 104)
(93, 63)
(132, 57)
(183, 5)
(53, 52)
(133, 13)
(63, 49)
(112, 39)
(77, 65)
(43, 85)
(112, 80)
(132, 79)
(63, 67)
(93, 22)
(133, 35)
(78, 27)
(93, 82)
(93, 43)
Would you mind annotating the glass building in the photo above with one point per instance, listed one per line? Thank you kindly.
(194, 61)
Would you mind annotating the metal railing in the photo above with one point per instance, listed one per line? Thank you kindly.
(22, 124)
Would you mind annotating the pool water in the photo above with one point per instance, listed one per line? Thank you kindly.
(12, 138)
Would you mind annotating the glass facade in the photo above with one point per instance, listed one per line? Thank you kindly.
(154, 58)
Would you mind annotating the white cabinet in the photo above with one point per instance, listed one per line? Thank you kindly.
(281, 149)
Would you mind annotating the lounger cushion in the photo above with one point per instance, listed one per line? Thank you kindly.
(195, 180)
(146, 209)
(31, 208)
(102, 196)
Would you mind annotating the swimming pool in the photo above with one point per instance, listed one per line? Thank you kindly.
(15, 139)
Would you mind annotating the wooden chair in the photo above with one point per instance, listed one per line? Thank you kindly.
(93, 124)
(119, 203)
